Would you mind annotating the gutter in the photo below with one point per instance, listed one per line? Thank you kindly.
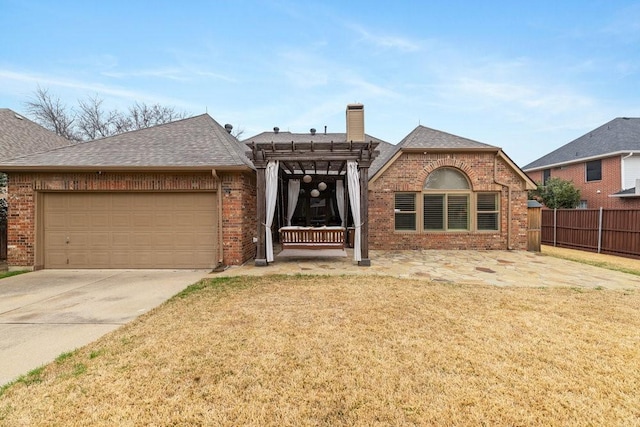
(495, 179)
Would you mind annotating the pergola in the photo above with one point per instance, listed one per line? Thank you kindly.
(294, 160)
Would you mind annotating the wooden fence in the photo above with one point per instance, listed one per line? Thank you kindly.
(608, 231)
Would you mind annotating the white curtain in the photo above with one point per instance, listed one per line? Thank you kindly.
(340, 200)
(271, 194)
(292, 193)
(354, 199)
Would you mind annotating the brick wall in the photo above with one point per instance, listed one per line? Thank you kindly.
(239, 224)
(409, 172)
(238, 207)
(596, 193)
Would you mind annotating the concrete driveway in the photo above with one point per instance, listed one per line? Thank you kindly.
(49, 312)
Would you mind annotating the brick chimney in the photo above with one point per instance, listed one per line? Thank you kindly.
(355, 122)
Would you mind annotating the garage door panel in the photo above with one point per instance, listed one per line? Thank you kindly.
(127, 230)
(100, 219)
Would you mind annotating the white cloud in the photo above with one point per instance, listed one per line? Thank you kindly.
(385, 41)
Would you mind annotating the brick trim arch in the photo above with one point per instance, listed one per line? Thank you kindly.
(451, 163)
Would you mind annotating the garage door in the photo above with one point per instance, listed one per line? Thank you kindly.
(130, 230)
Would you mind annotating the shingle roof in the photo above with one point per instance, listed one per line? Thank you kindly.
(424, 137)
(20, 136)
(194, 142)
(617, 136)
(385, 149)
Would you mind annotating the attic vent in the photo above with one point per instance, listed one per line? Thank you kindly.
(19, 117)
(276, 129)
(228, 128)
(313, 131)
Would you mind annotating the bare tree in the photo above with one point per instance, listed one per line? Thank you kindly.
(90, 120)
(93, 122)
(52, 114)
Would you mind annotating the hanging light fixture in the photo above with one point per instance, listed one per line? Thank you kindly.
(322, 186)
(315, 193)
(307, 178)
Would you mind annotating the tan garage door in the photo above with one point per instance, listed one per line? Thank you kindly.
(130, 230)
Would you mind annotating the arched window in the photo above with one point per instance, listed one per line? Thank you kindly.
(446, 179)
(447, 203)
(446, 200)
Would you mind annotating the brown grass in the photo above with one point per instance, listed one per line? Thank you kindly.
(309, 350)
(611, 262)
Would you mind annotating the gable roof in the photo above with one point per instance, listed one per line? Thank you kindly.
(20, 136)
(197, 142)
(619, 136)
(423, 138)
(385, 149)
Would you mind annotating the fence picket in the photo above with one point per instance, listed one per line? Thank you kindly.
(609, 231)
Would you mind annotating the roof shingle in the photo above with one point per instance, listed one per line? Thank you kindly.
(20, 136)
(617, 136)
(193, 142)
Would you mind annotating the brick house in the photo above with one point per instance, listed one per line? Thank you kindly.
(604, 164)
(448, 192)
(179, 195)
(20, 136)
(189, 195)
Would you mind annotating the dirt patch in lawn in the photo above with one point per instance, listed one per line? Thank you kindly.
(310, 350)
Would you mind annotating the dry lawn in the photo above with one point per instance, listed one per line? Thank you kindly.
(309, 350)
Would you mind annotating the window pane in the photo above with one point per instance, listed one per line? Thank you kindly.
(406, 202)
(434, 212)
(446, 179)
(487, 207)
(405, 221)
(405, 211)
(488, 221)
(458, 212)
(487, 202)
(594, 170)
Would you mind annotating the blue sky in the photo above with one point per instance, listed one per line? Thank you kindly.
(527, 76)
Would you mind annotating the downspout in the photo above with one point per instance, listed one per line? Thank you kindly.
(495, 179)
(622, 169)
(220, 237)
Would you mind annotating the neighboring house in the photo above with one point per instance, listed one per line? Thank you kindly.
(188, 195)
(604, 164)
(19, 137)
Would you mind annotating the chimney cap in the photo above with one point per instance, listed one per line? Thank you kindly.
(355, 106)
(276, 129)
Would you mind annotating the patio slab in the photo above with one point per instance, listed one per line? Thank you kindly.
(496, 268)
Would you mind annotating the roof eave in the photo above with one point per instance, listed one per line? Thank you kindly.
(582, 160)
(115, 168)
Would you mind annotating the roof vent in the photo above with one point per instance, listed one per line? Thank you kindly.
(276, 129)
(228, 128)
(313, 131)
(18, 116)
(325, 129)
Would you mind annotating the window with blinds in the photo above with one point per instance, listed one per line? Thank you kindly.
(487, 211)
(405, 212)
